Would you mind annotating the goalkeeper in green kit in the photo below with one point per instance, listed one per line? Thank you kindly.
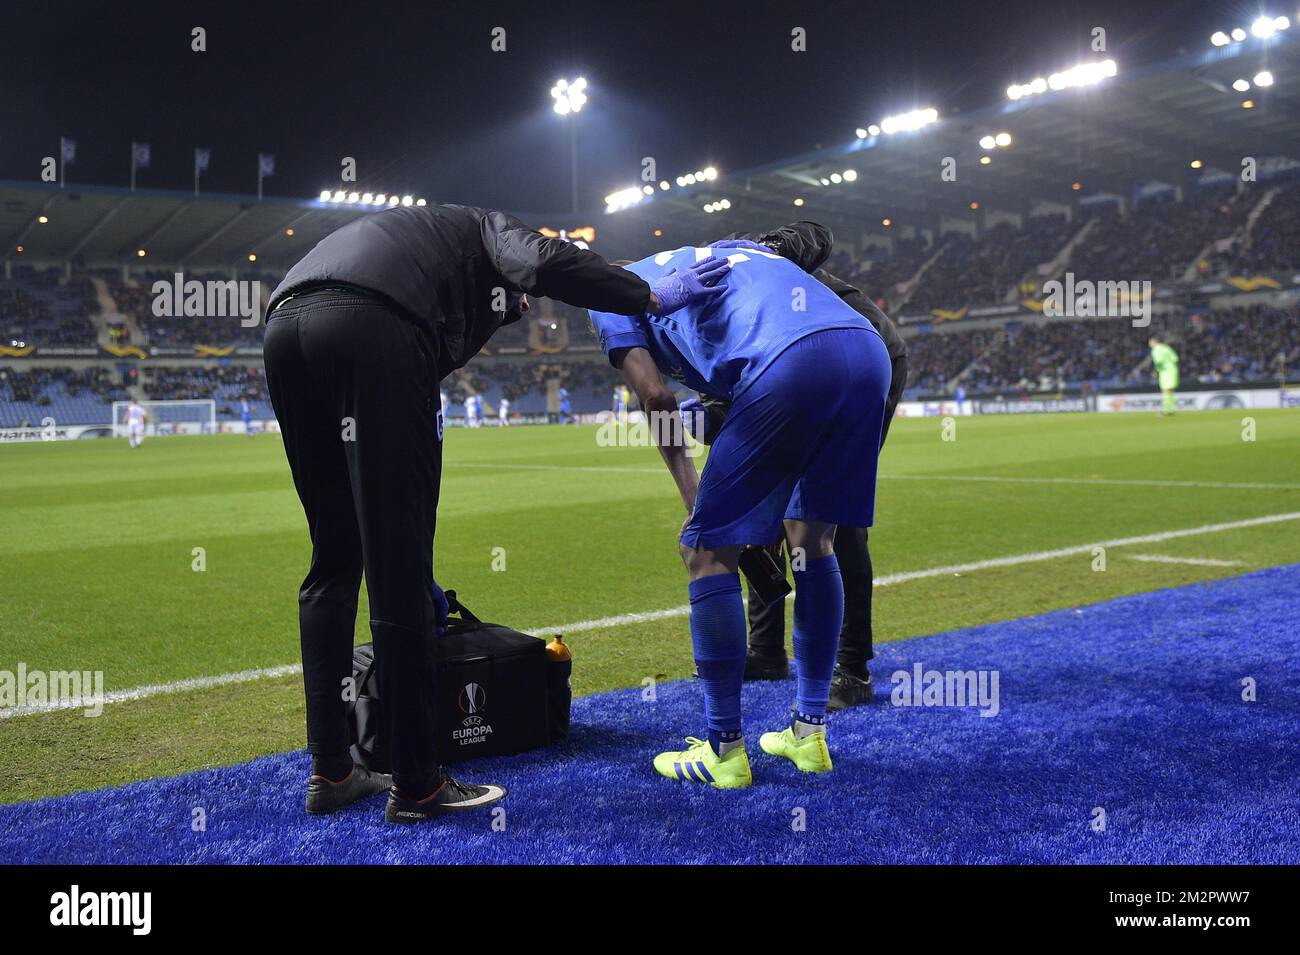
(1165, 361)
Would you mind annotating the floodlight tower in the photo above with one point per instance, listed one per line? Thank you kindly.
(569, 98)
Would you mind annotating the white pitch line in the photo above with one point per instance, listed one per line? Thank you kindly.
(979, 478)
(607, 623)
(155, 689)
(1104, 482)
(1195, 561)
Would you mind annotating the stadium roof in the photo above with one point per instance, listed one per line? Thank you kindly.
(1145, 123)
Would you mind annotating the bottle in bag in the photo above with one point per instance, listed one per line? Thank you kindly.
(559, 693)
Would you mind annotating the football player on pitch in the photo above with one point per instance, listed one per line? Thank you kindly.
(807, 378)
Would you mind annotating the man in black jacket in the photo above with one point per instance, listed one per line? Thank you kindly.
(808, 245)
(358, 336)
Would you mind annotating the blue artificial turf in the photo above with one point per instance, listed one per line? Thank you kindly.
(1133, 706)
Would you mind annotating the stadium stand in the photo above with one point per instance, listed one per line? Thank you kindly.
(37, 308)
(1216, 232)
(82, 396)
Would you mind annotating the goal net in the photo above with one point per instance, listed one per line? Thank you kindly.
(192, 416)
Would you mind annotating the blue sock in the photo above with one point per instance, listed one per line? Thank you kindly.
(818, 615)
(718, 633)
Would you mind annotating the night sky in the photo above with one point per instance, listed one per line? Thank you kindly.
(414, 92)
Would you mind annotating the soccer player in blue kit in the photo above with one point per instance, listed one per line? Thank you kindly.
(807, 377)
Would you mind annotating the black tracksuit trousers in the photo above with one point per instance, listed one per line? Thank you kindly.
(355, 390)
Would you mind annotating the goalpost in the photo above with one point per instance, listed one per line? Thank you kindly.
(190, 416)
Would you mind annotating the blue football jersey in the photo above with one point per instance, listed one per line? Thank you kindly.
(720, 348)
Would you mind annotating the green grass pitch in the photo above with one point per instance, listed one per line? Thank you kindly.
(97, 544)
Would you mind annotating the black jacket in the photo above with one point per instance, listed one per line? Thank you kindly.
(443, 266)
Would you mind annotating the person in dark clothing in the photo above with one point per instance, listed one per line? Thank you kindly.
(808, 245)
(358, 336)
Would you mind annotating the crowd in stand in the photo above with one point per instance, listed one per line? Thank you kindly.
(36, 311)
(979, 271)
(1257, 343)
(34, 384)
(515, 379)
(1160, 238)
(1157, 239)
(223, 382)
(1274, 242)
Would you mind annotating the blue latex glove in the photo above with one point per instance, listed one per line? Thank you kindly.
(441, 608)
(692, 413)
(693, 286)
(739, 244)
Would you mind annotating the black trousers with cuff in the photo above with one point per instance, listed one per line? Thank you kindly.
(355, 389)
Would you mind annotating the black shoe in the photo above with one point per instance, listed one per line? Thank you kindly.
(849, 687)
(766, 666)
(761, 666)
(325, 796)
(451, 796)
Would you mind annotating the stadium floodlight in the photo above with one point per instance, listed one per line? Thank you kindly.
(726, 203)
(1197, 164)
(569, 97)
(421, 202)
(1238, 34)
(648, 190)
(850, 175)
(836, 178)
(873, 129)
(1282, 23)
(1263, 27)
(140, 253)
(799, 201)
(340, 195)
(987, 142)
(1002, 139)
(623, 198)
(1241, 85)
(367, 198)
(909, 122)
(1263, 78)
(393, 200)
(1219, 38)
(710, 173)
(708, 207)
(824, 181)
(408, 200)
(985, 160)
(681, 181)
(860, 133)
(324, 195)
(663, 184)
(354, 197)
(1085, 74)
